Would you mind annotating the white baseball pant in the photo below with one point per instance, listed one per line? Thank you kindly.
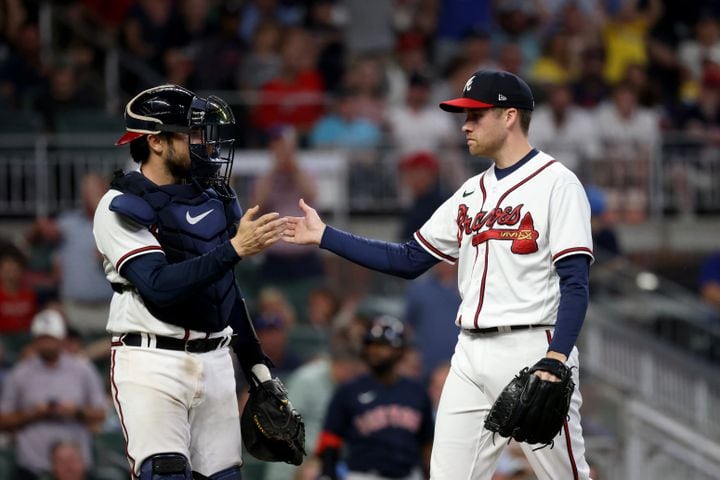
(482, 365)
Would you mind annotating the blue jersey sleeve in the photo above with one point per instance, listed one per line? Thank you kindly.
(164, 283)
(574, 294)
(406, 260)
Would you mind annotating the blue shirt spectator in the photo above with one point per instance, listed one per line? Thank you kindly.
(431, 303)
(344, 128)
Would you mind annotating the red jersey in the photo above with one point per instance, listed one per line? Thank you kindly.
(17, 310)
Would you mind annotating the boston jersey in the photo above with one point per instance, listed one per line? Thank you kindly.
(499, 233)
(383, 426)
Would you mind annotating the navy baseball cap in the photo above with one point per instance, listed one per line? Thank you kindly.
(492, 88)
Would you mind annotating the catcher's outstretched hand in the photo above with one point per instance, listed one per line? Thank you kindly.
(255, 235)
(307, 230)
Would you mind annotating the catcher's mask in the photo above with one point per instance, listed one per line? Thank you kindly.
(208, 122)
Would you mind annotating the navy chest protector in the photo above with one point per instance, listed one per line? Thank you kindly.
(188, 222)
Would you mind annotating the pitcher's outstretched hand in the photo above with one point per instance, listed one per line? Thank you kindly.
(307, 230)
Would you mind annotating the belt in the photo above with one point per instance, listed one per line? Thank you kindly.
(199, 345)
(505, 328)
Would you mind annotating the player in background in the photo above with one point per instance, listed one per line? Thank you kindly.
(170, 235)
(383, 421)
(520, 234)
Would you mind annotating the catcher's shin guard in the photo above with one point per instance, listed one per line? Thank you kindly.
(166, 466)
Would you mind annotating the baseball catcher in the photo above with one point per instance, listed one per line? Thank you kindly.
(272, 430)
(532, 409)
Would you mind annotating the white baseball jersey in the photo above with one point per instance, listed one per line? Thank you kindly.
(506, 234)
(119, 239)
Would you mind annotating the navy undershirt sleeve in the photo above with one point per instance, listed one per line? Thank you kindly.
(164, 283)
(574, 294)
(406, 260)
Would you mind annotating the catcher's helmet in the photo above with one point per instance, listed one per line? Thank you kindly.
(386, 329)
(171, 108)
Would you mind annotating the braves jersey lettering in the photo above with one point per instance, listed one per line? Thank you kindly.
(504, 244)
(386, 416)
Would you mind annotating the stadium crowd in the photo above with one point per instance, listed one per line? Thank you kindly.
(611, 77)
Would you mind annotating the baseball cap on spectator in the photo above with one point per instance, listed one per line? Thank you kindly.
(268, 321)
(490, 89)
(419, 160)
(48, 323)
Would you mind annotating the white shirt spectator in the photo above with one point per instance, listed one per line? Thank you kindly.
(428, 129)
(571, 142)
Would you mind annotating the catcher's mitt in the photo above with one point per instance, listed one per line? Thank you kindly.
(530, 409)
(272, 430)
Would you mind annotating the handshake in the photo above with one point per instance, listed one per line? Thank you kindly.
(255, 235)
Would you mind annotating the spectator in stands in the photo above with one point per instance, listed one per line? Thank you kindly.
(366, 77)
(41, 242)
(628, 136)
(591, 89)
(419, 174)
(521, 23)
(417, 125)
(695, 52)
(64, 93)
(18, 303)
(148, 29)
(323, 304)
(343, 127)
(272, 330)
(263, 61)
(647, 92)
(554, 66)
(565, 131)
(311, 387)
(84, 291)
(48, 398)
(431, 303)
(709, 280)
(369, 29)
(321, 22)
(295, 96)
(454, 20)
(219, 55)
(257, 12)
(477, 50)
(510, 58)
(606, 245)
(278, 191)
(67, 462)
(410, 58)
(21, 71)
(625, 36)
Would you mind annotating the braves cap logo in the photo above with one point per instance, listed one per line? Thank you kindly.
(468, 84)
